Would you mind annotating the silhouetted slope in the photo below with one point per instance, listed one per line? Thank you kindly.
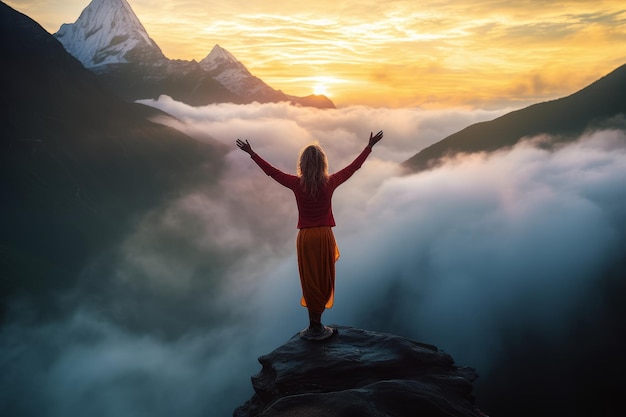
(77, 163)
(565, 119)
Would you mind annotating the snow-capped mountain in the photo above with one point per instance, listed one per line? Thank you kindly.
(109, 39)
(232, 74)
(220, 60)
(108, 32)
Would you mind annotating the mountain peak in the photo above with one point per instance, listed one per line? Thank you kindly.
(220, 53)
(109, 39)
(108, 32)
(224, 67)
(219, 59)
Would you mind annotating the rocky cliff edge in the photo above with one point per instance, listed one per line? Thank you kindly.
(360, 373)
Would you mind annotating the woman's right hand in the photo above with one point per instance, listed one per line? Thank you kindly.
(245, 146)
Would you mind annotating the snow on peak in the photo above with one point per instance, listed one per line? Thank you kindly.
(220, 57)
(225, 68)
(105, 32)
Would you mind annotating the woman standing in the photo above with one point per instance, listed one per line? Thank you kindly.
(317, 251)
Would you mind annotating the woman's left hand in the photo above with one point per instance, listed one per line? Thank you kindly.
(375, 138)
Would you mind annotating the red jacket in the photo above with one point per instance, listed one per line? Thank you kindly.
(319, 211)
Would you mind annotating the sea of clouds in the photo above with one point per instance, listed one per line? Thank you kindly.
(465, 256)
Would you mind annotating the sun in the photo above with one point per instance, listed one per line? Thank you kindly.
(320, 89)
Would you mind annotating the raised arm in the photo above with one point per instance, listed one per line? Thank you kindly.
(343, 175)
(281, 177)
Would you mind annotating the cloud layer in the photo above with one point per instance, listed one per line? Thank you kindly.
(471, 256)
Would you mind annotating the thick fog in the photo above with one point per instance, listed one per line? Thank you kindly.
(471, 256)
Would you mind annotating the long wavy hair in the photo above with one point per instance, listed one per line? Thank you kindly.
(313, 169)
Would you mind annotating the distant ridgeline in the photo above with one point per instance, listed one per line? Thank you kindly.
(600, 105)
(109, 39)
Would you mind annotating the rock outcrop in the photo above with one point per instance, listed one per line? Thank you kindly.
(360, 373)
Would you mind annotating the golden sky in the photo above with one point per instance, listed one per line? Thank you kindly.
(432, 53)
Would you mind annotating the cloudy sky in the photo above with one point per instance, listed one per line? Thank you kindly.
(434, 53)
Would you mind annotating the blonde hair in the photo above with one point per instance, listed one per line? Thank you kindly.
(312, 169)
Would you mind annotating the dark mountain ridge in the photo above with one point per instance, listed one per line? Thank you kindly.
(77, 163)
(597, 105)
(184, 81)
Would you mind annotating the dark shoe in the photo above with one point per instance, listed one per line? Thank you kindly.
(317, 333)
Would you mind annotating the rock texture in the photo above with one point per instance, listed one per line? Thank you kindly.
(108, 32)
(360, 373)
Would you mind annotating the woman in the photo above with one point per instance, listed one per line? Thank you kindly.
(316, 248)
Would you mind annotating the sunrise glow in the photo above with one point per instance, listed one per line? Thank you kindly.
(432, 54)
(320, 89)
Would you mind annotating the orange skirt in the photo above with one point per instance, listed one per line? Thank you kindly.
(317, 253)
